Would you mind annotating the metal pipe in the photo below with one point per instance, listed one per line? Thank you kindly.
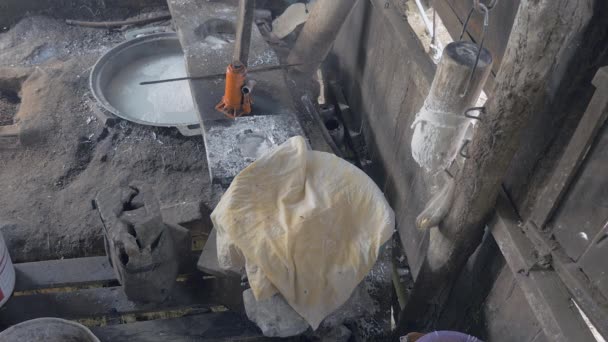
(248, 87)
(427, 23)
(243, 31)
(110, 24)
(222, 75)
(319, 33)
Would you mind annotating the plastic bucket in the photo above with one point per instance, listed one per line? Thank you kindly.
(48, 329)
(7, 273)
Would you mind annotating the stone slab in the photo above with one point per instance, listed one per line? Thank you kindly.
(208, 262)
(232, 145)
(205, 32)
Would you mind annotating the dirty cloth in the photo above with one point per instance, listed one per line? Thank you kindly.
(437, 138)
(306, 224)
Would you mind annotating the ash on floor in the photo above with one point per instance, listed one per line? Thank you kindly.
(48, 183)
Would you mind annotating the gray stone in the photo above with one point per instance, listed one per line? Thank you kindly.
(208, 261)
(359, 304)
(367, 312)
(337, 334)
(182, 213)
(274, 316)
(105, 117)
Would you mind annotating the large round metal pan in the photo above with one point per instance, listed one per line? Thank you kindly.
(115, 79)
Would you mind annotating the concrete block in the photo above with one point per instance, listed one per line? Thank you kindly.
(144, 251)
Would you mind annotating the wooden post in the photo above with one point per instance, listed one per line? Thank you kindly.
(319, 33)
(448, 91)
(535, 61)
(453, 91)
(243, 31)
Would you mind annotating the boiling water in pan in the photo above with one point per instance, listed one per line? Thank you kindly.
(163, 103)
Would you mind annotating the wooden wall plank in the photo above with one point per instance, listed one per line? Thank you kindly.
(593, 262)
(508, 315)
(499, 28)
(78, 272)
(591, 300)
(398, 71)
(63, 273)
(98, 302)
(576, 151)
(584, 209)
(542, 287)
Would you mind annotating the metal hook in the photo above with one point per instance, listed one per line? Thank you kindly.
(491, 4)
(448, 169)
(486, 19)
(476, 4)
(481, 8)
(481, 110)
(464, 154)
(466, 23)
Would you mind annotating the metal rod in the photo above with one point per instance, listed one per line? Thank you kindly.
(483, 37)
(110, 24)
(243, 31)
(434, 37)
(425, 19)
(212, 76)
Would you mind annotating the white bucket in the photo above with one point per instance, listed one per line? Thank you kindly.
(7, 273)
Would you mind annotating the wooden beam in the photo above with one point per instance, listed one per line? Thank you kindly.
(533, 63)
(424, 68)
(319, 33)
(591, 301)
(589, 298)
(77, 272)
(219, 326)
(99, 302)
(244, 25)
(548, 297)
(453, 23)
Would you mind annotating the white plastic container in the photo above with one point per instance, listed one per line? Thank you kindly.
(7, 273)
